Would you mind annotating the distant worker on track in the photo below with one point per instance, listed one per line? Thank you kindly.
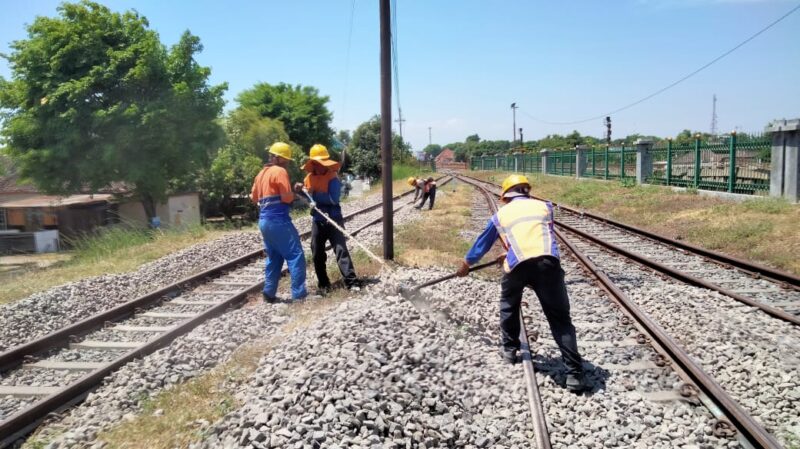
(324, 186)
(525, 228)
(417, 184)
(272, 191)
(429, 191)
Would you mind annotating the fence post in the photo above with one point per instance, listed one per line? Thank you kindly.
(784, 180)
(605, 176)
(497, 163)
(644, 160)
(622, 162)
(580, 160)
(697, 162)
(544, 154)
(732, 162)
(593, 164)
(669, 160)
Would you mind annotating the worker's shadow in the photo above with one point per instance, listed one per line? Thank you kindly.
(595, 377)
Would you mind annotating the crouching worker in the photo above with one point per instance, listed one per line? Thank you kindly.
(417, 184)
(272, 191)
(324, 186)
(429, 191)
(525, 228)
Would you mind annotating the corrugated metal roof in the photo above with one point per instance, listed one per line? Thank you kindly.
(55, 201)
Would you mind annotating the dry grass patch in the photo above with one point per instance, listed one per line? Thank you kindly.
(109, 258)
(434, 240)
(762, 230)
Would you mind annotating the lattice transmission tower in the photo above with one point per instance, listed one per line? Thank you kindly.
(714, 116)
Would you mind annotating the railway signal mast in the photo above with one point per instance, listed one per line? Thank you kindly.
(608, 131)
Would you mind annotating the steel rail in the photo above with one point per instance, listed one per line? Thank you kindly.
(774, 274)
(14, 356)
(25, 420)
(22, 422)
(541, 431)
(684, 277)
(744, 423)
(680, 275)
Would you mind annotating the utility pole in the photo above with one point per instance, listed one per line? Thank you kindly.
(430, 141)
(714, 116)
(400, 121)
(514, 123)
(386, 129)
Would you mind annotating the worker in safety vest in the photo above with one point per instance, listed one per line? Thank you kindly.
(428, 191)
(324, 186)
(417, 184)
(272, 191)
(525, 228)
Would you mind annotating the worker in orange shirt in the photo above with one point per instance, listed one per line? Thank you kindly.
(324, 186)
(272, 191)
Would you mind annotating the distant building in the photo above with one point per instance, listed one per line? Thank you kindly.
(446, 160)
(28, 218)
(447, 156)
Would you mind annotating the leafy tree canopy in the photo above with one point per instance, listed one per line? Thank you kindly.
(365, 152)
(432, 150)
(236, 164)
(96, 98)
(301, 109)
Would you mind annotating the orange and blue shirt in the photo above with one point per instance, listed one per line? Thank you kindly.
(325, 190)
(272, 191)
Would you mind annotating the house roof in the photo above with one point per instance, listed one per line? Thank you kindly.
(447, 153)
(55, 201)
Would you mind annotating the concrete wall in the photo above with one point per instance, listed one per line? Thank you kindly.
(179, 210)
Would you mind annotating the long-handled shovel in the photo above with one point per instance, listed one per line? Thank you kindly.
(336, 225)
(413, 292)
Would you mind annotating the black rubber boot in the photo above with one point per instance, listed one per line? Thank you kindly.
(510, 355)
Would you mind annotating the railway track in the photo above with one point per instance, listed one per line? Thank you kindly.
(647, 358)
(774, 292)
(55, 371)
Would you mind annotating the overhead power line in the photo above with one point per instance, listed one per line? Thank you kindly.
(670, 86)
(347, 57)
(396, 69)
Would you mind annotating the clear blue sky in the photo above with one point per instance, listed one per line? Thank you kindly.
(462, 63)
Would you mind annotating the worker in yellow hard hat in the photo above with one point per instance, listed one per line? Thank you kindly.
(323, 184)
(428, 192)
(417, 184)
(525, 228)
(272, 191)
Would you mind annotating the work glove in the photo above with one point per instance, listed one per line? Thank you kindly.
(463, 270)
(298, 187)
(500, 259)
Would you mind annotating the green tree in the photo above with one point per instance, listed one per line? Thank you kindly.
(236, 164)
(432, 150)
(365, 149)
(96, 98)
(301, 109)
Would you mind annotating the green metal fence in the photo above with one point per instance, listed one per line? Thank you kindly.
(723, 165)
(728, 163)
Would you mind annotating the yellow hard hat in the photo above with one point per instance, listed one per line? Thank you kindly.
(319, 153)
(281, 149)
(513, 180)
(411, 181)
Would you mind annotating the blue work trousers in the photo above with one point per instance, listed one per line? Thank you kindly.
(282, 242)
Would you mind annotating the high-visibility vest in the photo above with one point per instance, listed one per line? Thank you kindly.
(525, 226)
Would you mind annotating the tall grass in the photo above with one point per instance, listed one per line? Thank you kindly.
(114, 240)
(400, 171)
